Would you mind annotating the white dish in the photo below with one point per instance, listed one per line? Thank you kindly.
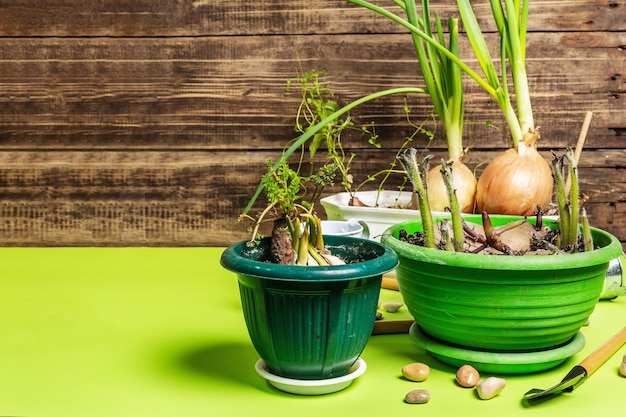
(311, 386)
(378, 216)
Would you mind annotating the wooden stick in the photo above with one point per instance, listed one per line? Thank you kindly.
(392, 326)
(592, 362)
(390, 282)
(579, 147)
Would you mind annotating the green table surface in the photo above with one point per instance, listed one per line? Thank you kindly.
(159, 332)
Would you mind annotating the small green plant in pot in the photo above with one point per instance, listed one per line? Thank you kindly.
(309, 300)
(513, 308)
(310, 322)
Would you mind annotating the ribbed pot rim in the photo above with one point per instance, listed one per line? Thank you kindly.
(365, 258)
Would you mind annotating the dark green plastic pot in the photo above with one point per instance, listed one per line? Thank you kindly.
(310, 322)
(497, 302)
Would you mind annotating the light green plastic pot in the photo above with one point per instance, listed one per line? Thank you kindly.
(497, 302)
(310, 322)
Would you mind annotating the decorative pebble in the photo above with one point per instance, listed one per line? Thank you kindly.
(379, 315)
(467, 376)
(417, 371)
(417, 396)
(622, 368)
(490, 387)
(392, 307)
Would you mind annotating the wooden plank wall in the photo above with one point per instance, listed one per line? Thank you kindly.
(146, 122)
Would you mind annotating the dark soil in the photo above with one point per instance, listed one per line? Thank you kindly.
(526, 240)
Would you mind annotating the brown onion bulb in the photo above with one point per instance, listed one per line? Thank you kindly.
(464, 184)
(516, 182)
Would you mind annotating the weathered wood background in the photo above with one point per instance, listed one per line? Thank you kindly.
(146, 122)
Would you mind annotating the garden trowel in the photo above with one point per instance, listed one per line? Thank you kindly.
(580, 372)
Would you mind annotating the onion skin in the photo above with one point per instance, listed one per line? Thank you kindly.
(356, 201)
(516, 182)
(464, 184)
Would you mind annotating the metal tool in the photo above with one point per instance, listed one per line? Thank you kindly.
(615, 279)
(580, 372)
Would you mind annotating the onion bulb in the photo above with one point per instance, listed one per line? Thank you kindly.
(464, 184)
(516, 182)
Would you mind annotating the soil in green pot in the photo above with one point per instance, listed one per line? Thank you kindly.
(516, 236)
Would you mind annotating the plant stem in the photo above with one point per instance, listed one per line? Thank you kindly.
(417, 174)
(561, 197)
(414, 29)
(513, 44)
(492, 235)
(587, 237)
(441, 75)
(319, 238)
(446, 241)
(303, 248)
(294, 228)
(455, 210)
(574, 202)
(512, 28)
(316, 255)
(257, 225)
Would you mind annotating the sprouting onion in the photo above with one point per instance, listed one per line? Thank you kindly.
(510, 17)
(519, 180)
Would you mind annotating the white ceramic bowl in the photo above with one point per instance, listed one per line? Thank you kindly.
(379, 216)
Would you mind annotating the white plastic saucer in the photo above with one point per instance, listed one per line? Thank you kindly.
(311, 386)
